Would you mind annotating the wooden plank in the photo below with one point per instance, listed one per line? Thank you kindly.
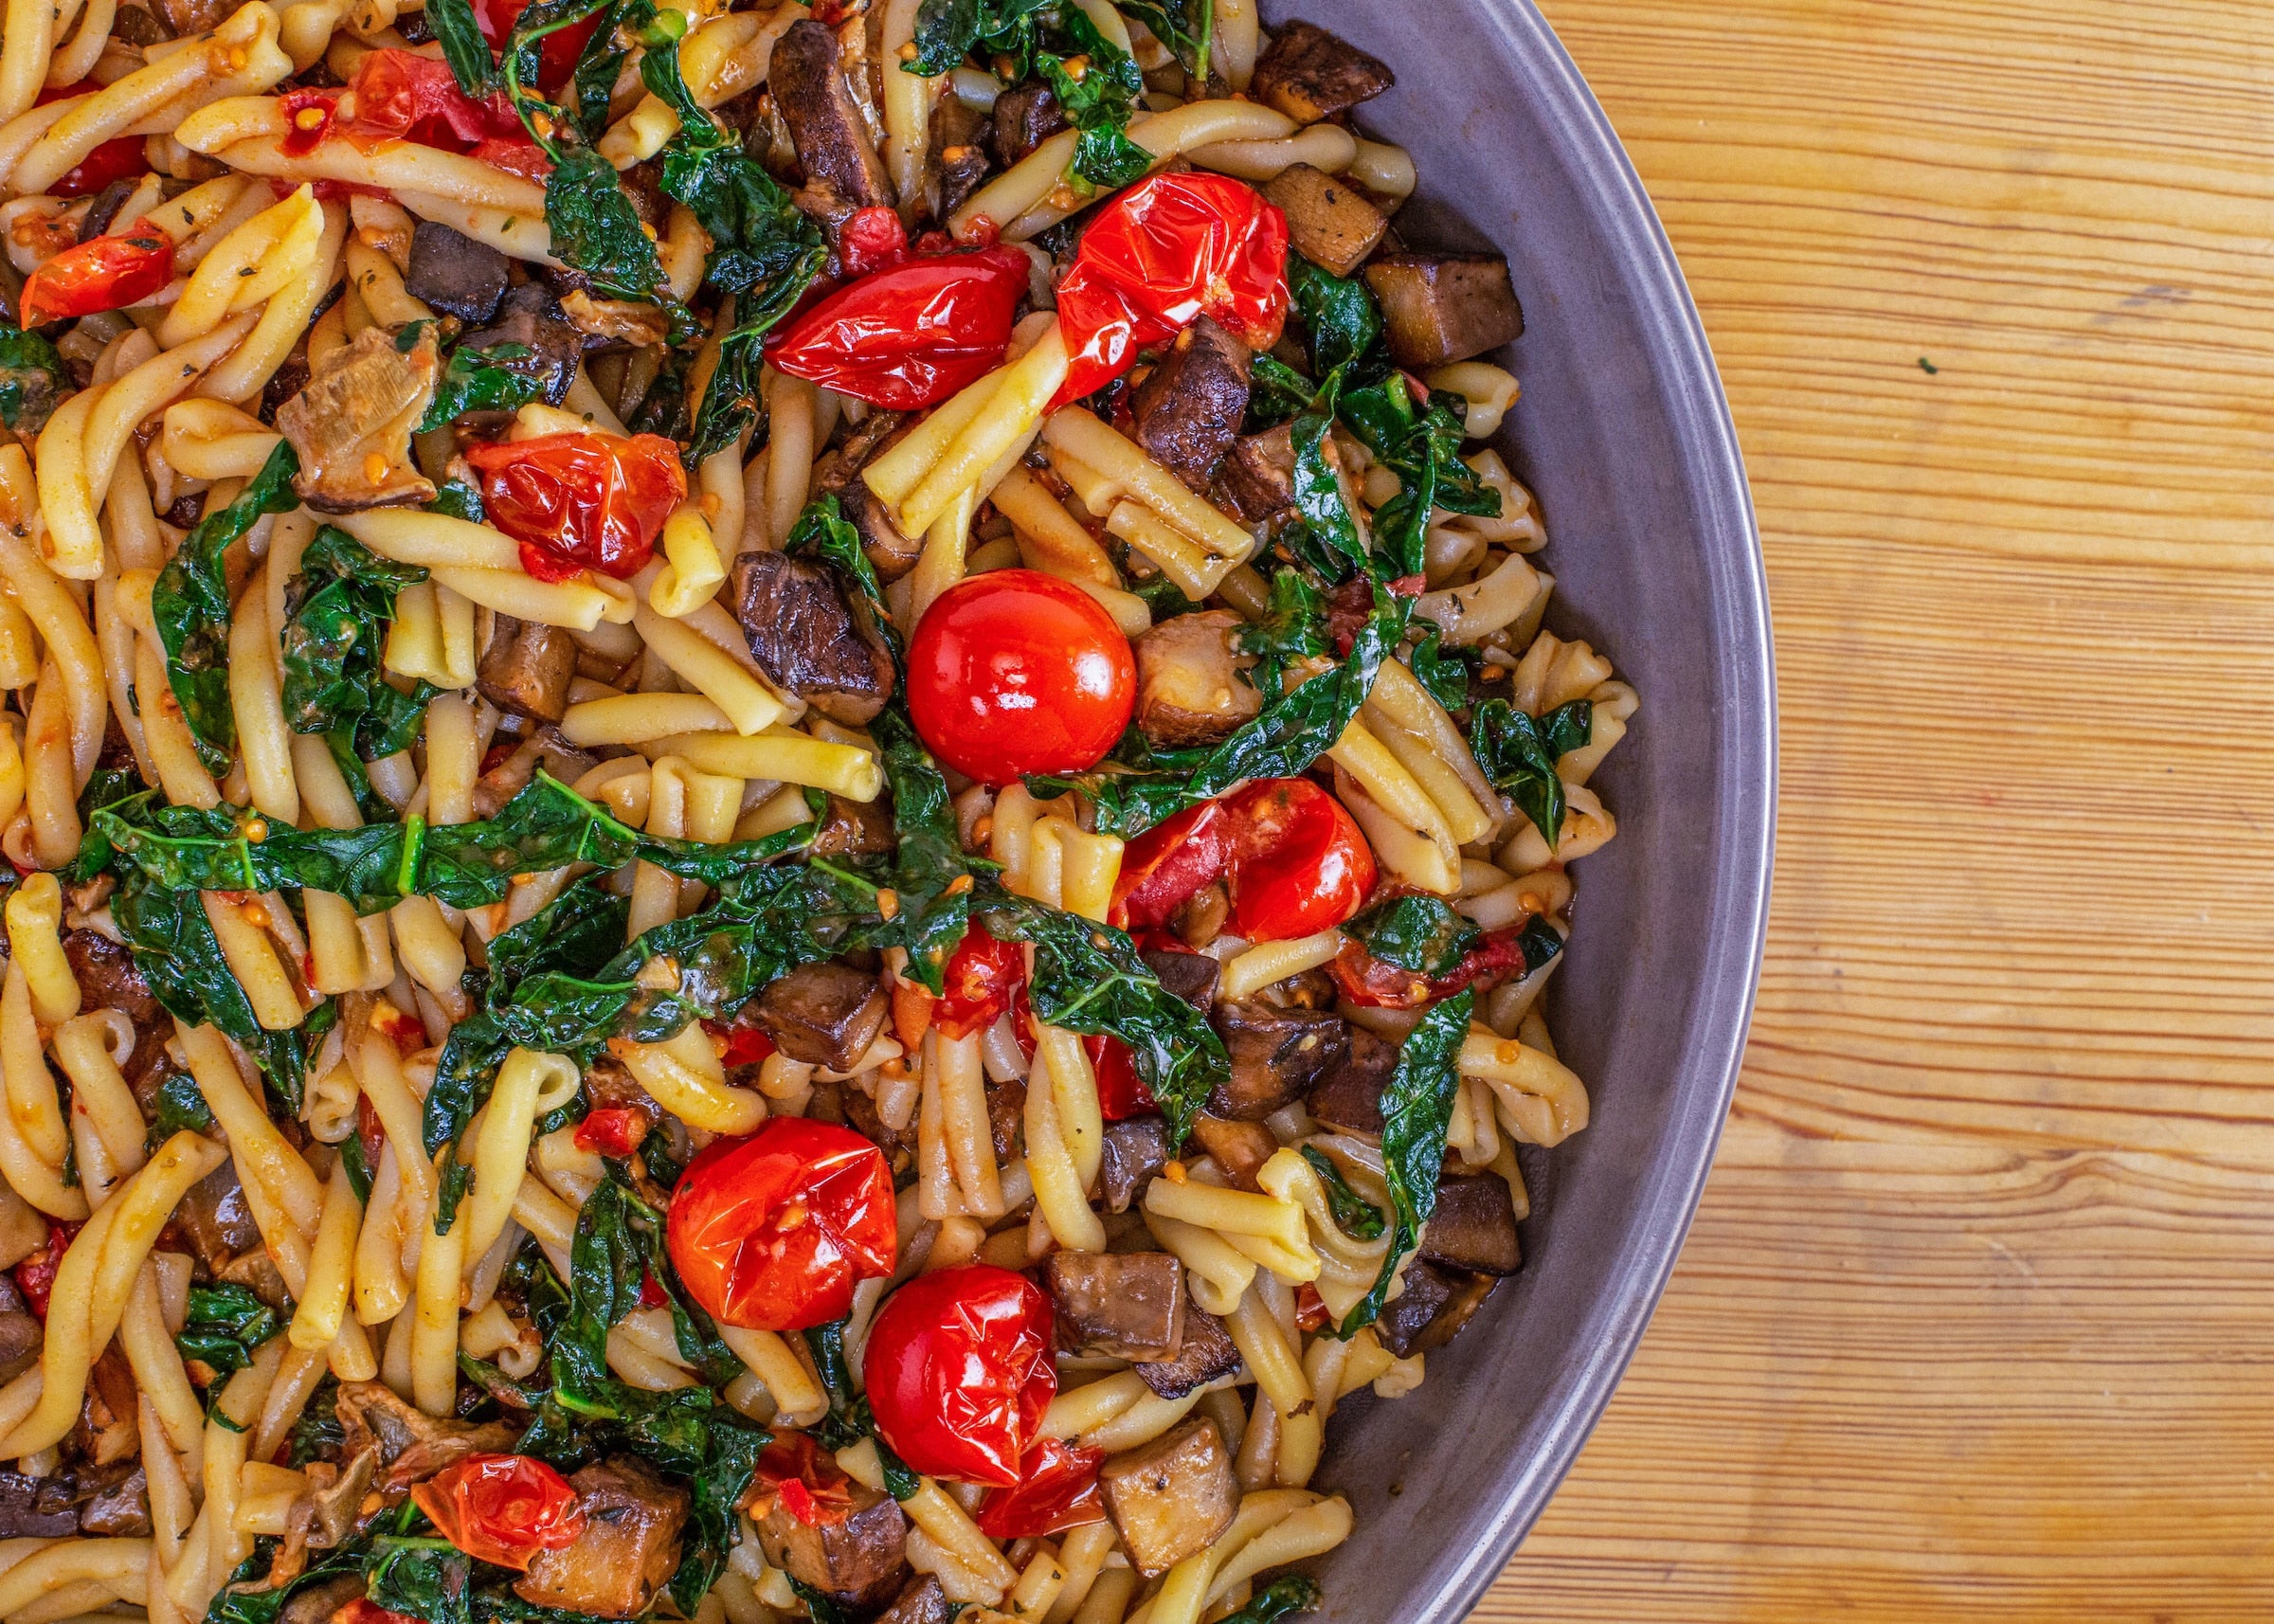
(1975, 1318)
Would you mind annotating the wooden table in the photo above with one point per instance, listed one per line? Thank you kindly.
(1978, 1318)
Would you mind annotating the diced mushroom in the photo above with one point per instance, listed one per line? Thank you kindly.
(1441, 308)
(1170, 1499)
(216, 1220)
(1309, 74)
(454, 273)
(1348, 1095)
(856, 1560)
(629, 1549)
(1191, 976)
(1473, 1226)
(103, 210)
(530, 317)
(526, 668)
(194, 16)
(1241, 1148)
(1327, 220)
(854, 829)
(351, 425)
(959, 142)
(1189, 407)
(824, 1015)
(1132, 1154)
(610, 319)
(137, 26)
(920, 1601)
(36, 1507)
(1024, 119)
(334, 1495)
(21, 1336)
(1189, 686)
(1206, 1354)
(317, 1603)
(806, 77)
(811, 638)
(412, 1446)
(1436, 1304)
(109, 979)
(1006, 1117)
(106, 1432)
(1276, 1056)
(889, 552)
(120, 1509)
(1257, 478)
(1121, 1305)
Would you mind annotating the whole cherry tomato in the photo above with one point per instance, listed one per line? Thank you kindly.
(1162, 254)
(773, 1231)
(909, 336)
(103, 273)
(115, 159)
(1120, 1092)
(959, 1371)
(1016, 672)
(556, 53)
(1169, 864)
(582, 500)
(1056, 1491)
(614, 1130)
(981, 978)
(503, 1509)
(1300, 863)
(870, 240)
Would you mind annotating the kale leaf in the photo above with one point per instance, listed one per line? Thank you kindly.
(1422, 446)
(1519, 754)
(225, 1324)
(1446, 673)
(1419, 933)
(1356, 1217)
(1293, 629)
(1186, 26)
(948, 31)
(477, 379)
(464, 47)
(333, 645)
(1289, 1592)
(32, 380)
(1097, 99)
(595, 228)
(1341, 316)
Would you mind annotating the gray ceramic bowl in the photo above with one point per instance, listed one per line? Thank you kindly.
(1625, 436)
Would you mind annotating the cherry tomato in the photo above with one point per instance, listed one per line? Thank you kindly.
(516, 154)
(309, 117)
(1120, 1092)
(1310, 1308)
(614, 1130)
(582, 500)
(870, 240)
(403, 97)
(772, 1233)
(811, 1486)
(1162, 254)
(959, 1372)
(103, 273)
(1169, 864)
(35, 1275)
(1056, 1491)
(1016, 672)
(1299, 863)
(910, 336)
(115, 159)
(363, 1610)
(503, 1509)
(746, 1043)
(981, 978)
(1364, 978)
(556, 53)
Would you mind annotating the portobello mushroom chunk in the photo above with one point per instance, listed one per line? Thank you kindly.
(1024, 119)
(1276, 1054)
(959, 140)
(1118, 1304)
(37, 1507)
(109, 979)
(824, 1015)
(1172, 1498)
(1473, 1226)
(195, 16)
(857, 1561)
(1437, 1303)
(1309, 74)
(1129, 1158)
(920, 1601)
(216, 1220)
(629, 1549)
(1206, 1354)
(1006, 1117)
(1350, 1095)
(1328, 219)
(1441, 308)
(317, 1603)
(1241, 1148)
(1190, 690)
(103, 211)
(1257, 478)
(854, 829)
(810, 638)
(526, 668)
(21, 1336)
(610, 319)
(528, 316)
(1191, 976)
(843, 171)
(837, 473)
(119, 1509)
(351, 425)
(412, 1446)
(1189, 407)
(454, 273)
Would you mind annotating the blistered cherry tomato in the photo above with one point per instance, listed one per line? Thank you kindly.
(1016, 672)
(1300, 863)
(1364, 978)
(1167, 865)
(35, 1275)
(810, 1485)
(403, 97)
(577, 501)
(870, 240)
(1056, 1491)
(909, 336)
(103, 273)
(556, 53)
(773, 1231)
(981, 977)
(363, 1610)
(516, 154)
(614, 1130)
(959, 1371)
(503, 1509)
(1120, 1092)
(1162, 254)
(747, 1041)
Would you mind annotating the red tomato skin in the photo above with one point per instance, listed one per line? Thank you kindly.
(746, 1043)
(1300, 864)
(1366, 979)
(870, 240)
(556, 52)
(1120, 1092)
(1158, 257)
(35, 1275)
(1168, 864)
(503, 1509)
(1016, 672)
(981, 977)
(114, 160)
(811, 1486)
(363, 1610)
(1056, 1491)
(959, 1372)
(577, 501)
(612, 1131)
(401, 96)
(103, 273)
(773, 1231)
(912, 334)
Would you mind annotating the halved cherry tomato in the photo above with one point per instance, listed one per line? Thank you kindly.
(1169, 864)
(1120, 1092)
(1016, 672)
(811, 1486)
(1300, 864)
(981, 978)
(103, 273)
(115, 159)
(1056, 1491)
(746, 1043)
(773, 1231)
(1366, 980)
(614, 1130)
(556, 53)
(959, 1371)
(35, 1275)
(402, 97)
(503, 1509)
(909, 336)
(577, 501)
(1160, 256)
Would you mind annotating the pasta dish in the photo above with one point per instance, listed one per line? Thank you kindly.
(785, 807)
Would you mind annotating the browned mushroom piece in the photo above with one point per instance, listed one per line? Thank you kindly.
(119, 1508)
(1241, 1148)
(1309, 74)
(526, 668)
(959, 137)
(317, 1603)
(1118, 1304)
(1172, 1498)
(37, 1507)
(811, 638)
(806, 79)
(21, 1336)
(837, 473)
(1189, 686)
(1206, 1354)
(194, 16)
(1436, 1304)
(824, 1015)
(1275, 1054)
(109, 979)
(351, 425)
(1131, 1157)
(1348, 1095)
(610, 319)
(216, 1220)
(454, 273)
(1473, 1226)
(1441, 308)
(629, 1549)
(920, 1601)
(857, 1561)
(854, 829)
(1328, 219)
(1258, 477)
(1024, 119)
(412, 1446)
(1191, 976)
(530, 317)
(1189, 408)
(1006, 1117)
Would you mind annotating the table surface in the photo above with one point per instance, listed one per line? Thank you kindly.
(1976, 1318)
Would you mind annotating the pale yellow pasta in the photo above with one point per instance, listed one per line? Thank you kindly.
(1384, 170)
(687, 1078)
(323, 1300)
(1049, 537)
(1468, 614)
(434, 1327)
(635, 718)
(1217, 1273)
(34, 916)
(1029, 197)
(1391, 790)
(1328, 146)
(1059, 1192)
(1487, 391)
(748, 704)
(1084, 437)
(1542, 1100)
(212, 440)
(35, 1140)
(780, 755)
(412, 174)
(693, 571)
(268, 253)
(161, 1381)
(1260, 967)
(1272, 1231)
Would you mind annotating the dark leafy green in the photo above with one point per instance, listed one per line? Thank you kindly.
(33, 380)
(1097, 87)
(1324, 532)
(1293, 629)
(457, 500)
(223, 1325)
(178, 1106)
(337, 614)
(463, 46)
(1519, 752)
(1446, 673)
(1421, 444)
(477, 379)
(317, 1434)
(235, 1604)
(421, 1577)
(1341, 316)
(1186, 26)
(948, 31)
(1356, 1217)
(595, 228)
(1289, 1592)
(1418, 933)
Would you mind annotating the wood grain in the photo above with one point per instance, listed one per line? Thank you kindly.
(1977, 1316)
